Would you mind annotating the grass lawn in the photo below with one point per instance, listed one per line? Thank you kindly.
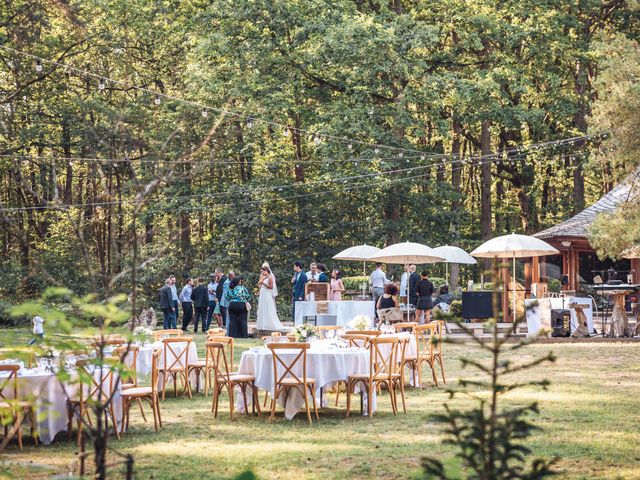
(589, 419)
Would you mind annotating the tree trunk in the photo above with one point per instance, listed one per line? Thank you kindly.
(456, 177)
(486, 229)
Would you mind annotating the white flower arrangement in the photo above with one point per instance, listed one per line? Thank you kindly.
(360, 322)
(304, 332)
(144, 334)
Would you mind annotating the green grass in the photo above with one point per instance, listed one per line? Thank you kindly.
(589, 419)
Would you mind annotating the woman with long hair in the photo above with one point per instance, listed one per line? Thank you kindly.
(239, 306)
(267, 316)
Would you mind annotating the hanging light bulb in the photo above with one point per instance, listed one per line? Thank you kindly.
(249, 122)
(377, 150)
(101, 84)
(422, 157)
(38, 66)
(286, 132)
(157, 100)
(205, 113)
(400, 154)
(350, 147)
(317, 139)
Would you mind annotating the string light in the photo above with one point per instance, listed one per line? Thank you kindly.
(376, 150)
(38, 66)
(101, 84)
(400, 155)
(249, 122)
(350, 146)
(205, 113)
(157, 100)
(286, 132)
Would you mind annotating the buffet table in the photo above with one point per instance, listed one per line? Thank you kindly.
(345, 310)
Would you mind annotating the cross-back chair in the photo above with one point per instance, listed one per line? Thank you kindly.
(166, 333)
(382, 366)
(323, 329)
(425, 351)
(228, 342)
(371, 333)
(128, 355)
(223, 378)
(13, 408)
(216, 330)
(437, 347)
(148, 394)
(175, 364)
(405, 326)
(398, 374)
(285, 378)
(354, 340)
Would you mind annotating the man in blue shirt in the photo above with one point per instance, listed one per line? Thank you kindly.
(213, 299)
(174, 298)
(187, 307)
(224, 302)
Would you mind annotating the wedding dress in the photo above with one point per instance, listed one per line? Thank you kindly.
(267, 316)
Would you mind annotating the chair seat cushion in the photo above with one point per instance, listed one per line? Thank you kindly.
(198, 364)
(364, 376)
(126, 386)
(137, 392)
(237, 378)
(293, 381)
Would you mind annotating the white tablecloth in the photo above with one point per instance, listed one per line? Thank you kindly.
(345, 310)
(324, 363)
(51, 401)
(533, 312)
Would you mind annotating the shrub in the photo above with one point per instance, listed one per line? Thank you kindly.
(355, 283)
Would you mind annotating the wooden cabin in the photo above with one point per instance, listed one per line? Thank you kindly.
(578, 262)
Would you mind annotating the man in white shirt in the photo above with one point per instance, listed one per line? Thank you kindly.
(377, 280)
(313, 275)
(404, 282)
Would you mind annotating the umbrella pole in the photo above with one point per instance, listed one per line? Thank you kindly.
(515, 315)
(446, 275)
(364, 274)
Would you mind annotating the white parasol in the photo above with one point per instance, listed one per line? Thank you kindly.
(359, 253)
(453, 254)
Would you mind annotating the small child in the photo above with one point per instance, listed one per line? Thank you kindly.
(38, 329)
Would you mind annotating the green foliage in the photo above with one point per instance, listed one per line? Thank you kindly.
(355, 283)
(456, 309)
(490, 438)
(554, 285)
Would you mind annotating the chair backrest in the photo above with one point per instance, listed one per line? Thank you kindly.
(424, 339)
(288, 363)
(102, 381)
(227, 342)
(128, 355)
(357, 340)
(382, 356)
(323, 329)
(405, 326)
(216, 357)
(364, 332)
(170, 332)
(174, 358)
(101, 343)
(10, 382)
(403, 345)
(216, 330)
(154, 369)
(438, 336)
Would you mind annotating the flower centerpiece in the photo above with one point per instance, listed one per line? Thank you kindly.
(360, 322)
(304, 332)
(143, 334)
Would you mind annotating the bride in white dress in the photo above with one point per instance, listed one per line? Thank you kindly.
(267, 316)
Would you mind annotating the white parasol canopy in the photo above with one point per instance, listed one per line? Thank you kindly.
(453, 254)
(514, 246)
(360, 253)
(405, 253)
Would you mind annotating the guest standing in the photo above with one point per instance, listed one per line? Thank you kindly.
(313, 275)
(414, 279)
(174, 299)
(238, 298)
(377, 280)
(337, 287)
(404, 283)
(323, 277)
(298, 280)
(200, 299)
(212, 300)
(187, 306)
(424, 292)
(225, 289)
(267, 313)
(220, 292)
(166, 304)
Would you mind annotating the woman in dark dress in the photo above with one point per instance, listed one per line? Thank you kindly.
(238, 297)
(424, 291)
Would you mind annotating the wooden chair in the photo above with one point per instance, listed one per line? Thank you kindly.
(162, 334)
(405, 326)
(148, 394)
(373, 333)
(175, 364)
(354, 340)
(382, 366)
(288, 379)
(398, 374)
(11, 407)
(216, 331)
(323, 329)
(105, 342)
(223, 378)
(129, 378)
(99, 390)
(437, 349)
(425, 354)
(208, 366)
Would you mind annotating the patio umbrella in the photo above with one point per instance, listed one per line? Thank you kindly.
(358, 253)
(405, 253)
(453, 254)
(514, 246)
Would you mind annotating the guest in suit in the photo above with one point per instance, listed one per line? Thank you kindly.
(166, 304)
(200, 299)
(187, 304)
(323, 277)
(299, 280)
(174, 298)
(414, 279)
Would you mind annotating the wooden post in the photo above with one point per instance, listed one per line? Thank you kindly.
(129, 463)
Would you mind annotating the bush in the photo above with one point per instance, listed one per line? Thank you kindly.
(554, 285)
(355, 283)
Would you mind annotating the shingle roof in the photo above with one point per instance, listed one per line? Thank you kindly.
(577, 225)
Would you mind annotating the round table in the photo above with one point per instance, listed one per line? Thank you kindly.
(326, 363)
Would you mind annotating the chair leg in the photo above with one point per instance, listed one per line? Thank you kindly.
(157, 402)
(337, 391)
(164, 384)
(141, 410)
(175, 384)
(440, 362)
(113, 419)
(348, 384)
(433, 372)
(155, 415)
(70, 415)
(372, 388)
(306, 404)
(17, 429)
(404, 403)
(230, 388)
(419, 367)
(256, 399)
(214, 402)
(266, 396)
(125, 413)
(273, 404)
(34, 425)
(188, 385)
(312, 388)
